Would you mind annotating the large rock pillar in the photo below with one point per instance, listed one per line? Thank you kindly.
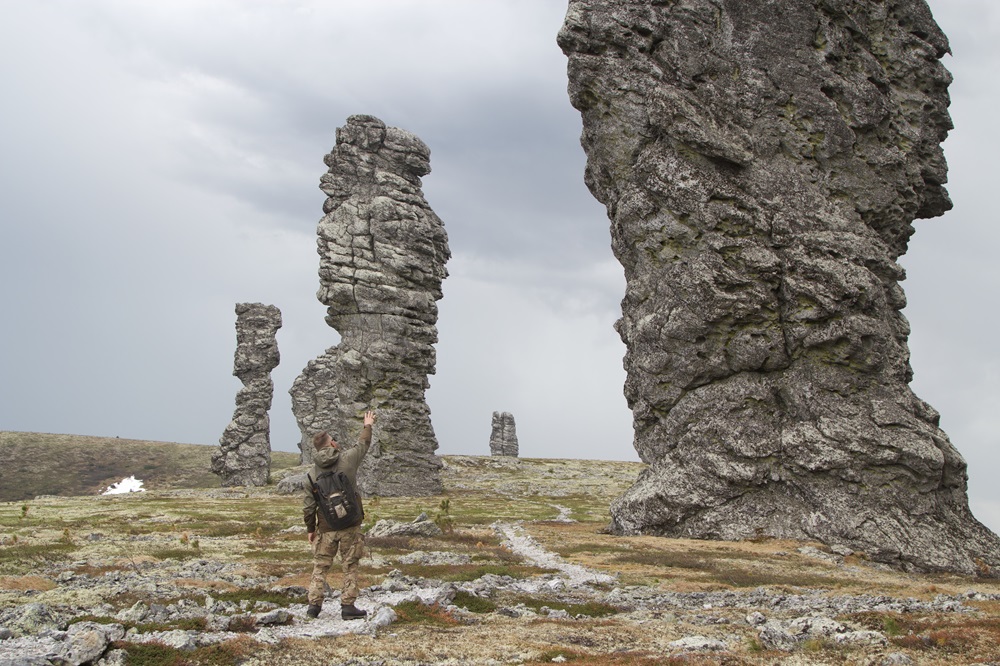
(382, 261)
(244, 457)
(761, 163)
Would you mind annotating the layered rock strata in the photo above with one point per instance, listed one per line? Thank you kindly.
(503, 437)
(244, 456)
(761, 164)
(382, 262)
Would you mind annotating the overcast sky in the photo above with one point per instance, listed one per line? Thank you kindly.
(159, 162)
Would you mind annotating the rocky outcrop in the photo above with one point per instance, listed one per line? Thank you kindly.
(761, 164)
(244, 457)
(503, 438)
(382, 261)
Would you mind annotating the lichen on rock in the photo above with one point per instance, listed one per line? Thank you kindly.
(382, 262)
(761, 164)
(244, 456)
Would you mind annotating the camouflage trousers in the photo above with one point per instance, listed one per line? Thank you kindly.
(351, 544)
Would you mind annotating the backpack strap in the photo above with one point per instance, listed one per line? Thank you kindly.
(312, 486)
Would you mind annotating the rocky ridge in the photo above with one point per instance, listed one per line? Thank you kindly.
(761, 164)
(382, 262)
(244, 456)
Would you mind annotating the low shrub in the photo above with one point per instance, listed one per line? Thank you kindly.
(415, 612)
(399, 544)
(474, 604)
(254, 594)
(589, 608)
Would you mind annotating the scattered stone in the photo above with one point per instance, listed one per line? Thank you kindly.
(755, 619)
(697, 644)
(762, 164)
(83, 643)
(433, 558)
(503, 438)
(134, 615)
(816, 553)
(564, 514)
(178, 639)
(293, 484)
(113, 658)
(244, 457)
(789, 635)
(863, 637)
(814, 627)
(277, 616)
(89, 640)
(896, 659)
(383, 617)
(421, 526)
(773, 637)
(30, 619)
(382, 261)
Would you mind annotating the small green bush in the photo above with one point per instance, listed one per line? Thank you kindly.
(474, 604)
(589, 608)
(254, 594)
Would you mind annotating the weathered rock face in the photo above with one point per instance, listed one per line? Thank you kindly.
(503, 438)
(382, 261)
(244, 458)
(761, 163)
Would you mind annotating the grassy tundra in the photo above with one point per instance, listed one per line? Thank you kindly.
(53, 524)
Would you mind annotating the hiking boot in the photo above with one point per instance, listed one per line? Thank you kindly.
(352, 612)
(313, 611)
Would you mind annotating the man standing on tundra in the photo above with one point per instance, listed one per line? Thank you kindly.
(325, 540)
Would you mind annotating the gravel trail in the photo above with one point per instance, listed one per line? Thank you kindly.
(519, 541)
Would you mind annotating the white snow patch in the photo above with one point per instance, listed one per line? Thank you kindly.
(127, 485)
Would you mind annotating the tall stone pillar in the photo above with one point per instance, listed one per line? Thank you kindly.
(503, 437)
(761, 163)
(382, 261)
(244, 457)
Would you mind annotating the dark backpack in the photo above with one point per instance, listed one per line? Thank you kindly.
(337, 500)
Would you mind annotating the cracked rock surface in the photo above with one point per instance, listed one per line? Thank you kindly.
(244, 456)
(761, 164)
(382, 261)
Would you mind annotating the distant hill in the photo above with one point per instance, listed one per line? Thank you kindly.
(33, 464)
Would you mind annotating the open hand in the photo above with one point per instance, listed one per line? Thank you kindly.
(369, 418)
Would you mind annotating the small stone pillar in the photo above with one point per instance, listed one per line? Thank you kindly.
(244, 458)
(503, 439)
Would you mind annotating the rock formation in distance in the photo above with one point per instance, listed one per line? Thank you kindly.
(503, 437)
(244, 456)
(382, 261)
(761, 163)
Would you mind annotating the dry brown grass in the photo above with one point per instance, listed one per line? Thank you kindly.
(26, 583)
